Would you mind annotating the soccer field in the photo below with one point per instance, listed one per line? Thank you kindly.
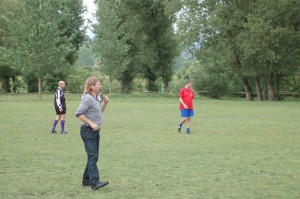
(237, 149)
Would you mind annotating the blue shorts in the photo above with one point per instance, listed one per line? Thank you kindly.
(187, 112)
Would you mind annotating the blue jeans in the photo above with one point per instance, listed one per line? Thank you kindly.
(91, 140)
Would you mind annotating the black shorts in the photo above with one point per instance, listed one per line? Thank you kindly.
(63, 111)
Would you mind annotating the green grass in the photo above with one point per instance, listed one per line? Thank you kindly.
(237, 149)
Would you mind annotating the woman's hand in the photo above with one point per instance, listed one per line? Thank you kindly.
(105, 99)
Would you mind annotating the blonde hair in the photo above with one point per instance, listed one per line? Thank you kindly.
(88, 83)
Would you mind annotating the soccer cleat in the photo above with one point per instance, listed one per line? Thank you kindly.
(64, 132)
(53, 131)
(179, 128)
(188, 132)
(99, 185)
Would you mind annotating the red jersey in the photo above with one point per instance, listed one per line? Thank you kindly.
(187, 95)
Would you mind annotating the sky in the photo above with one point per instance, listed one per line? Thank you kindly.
(91, 9)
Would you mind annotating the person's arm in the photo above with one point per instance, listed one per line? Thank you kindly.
(83, 107)
(105, 102)
(184, 105)
(89, 122)
(181, 95)
(57, 100)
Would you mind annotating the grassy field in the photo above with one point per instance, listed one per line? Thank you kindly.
(237, 149)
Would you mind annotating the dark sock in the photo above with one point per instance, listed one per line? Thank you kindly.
(54, 125)
(62, 124)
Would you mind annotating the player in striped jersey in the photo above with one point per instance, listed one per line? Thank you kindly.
(60, 108)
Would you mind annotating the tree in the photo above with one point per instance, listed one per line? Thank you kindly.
(39, 47)
(72, 27)
(110, 42)
(155, 39)
(72, 24)
(6, 71)
(136, 36)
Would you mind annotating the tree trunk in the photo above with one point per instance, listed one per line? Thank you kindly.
(4, 85)
(247, 88)
(14, 86)
(122, 86)
(40, 87)
(265, 89)
(276, 85)
(238, 67)
(271, 95)
(258, 88)
(272, 82)
(166, 87)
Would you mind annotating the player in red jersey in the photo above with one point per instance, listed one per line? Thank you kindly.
(186, 96)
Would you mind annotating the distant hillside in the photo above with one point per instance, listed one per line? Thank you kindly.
(185, 59)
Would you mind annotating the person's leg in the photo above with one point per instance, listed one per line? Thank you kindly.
(57, 118)
(182, 121)
(188, 125)
(62, 124)
(103, 183)
(85, 177)
(91, 148)
(183, 114)
(188, 121)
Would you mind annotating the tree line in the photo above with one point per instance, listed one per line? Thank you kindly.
(254, 41)
(250, 46)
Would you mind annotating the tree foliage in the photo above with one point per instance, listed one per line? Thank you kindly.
(72, 24)
(110, 43)
(136, 37)
(44, 39)
(258, 40)
(6, 70)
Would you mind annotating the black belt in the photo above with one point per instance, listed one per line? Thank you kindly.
(84, 127)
